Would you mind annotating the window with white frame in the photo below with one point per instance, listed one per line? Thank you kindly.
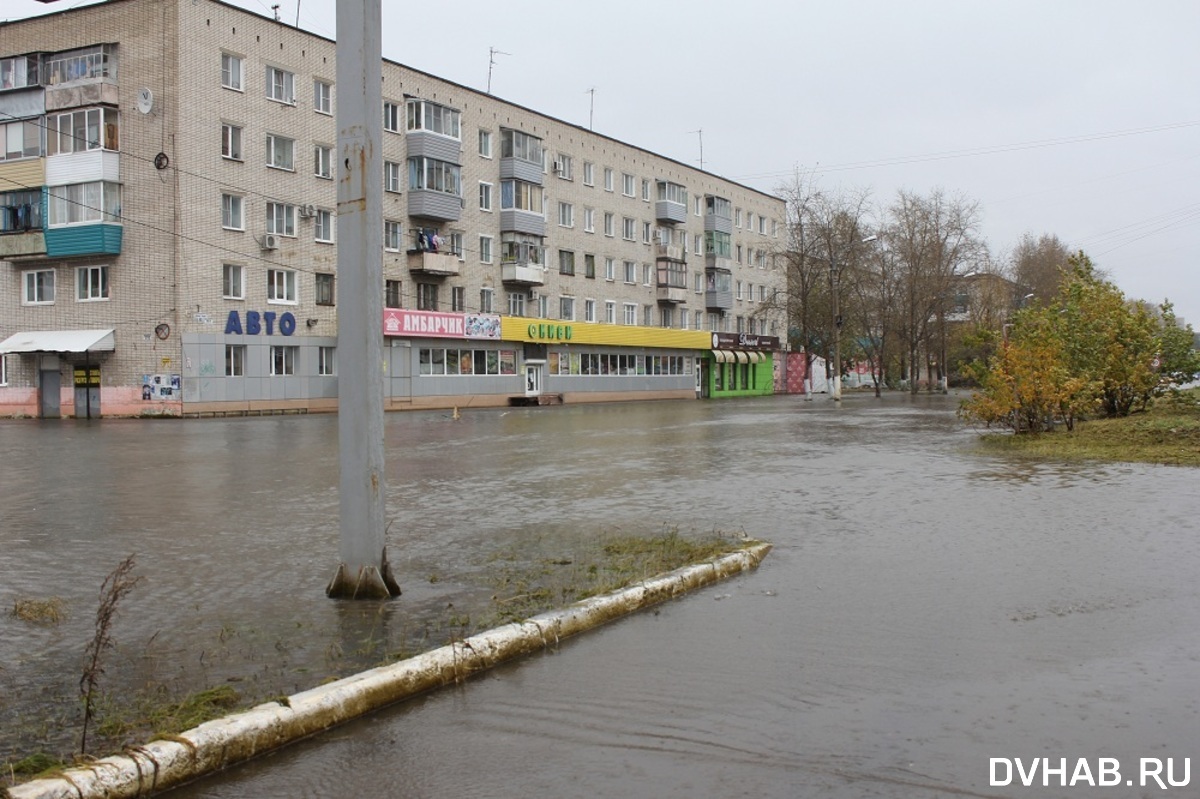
(647, 232)
(487, 298)
(516, 303)
(699, 282)
(589, 310)
(281, 85)
(91, 283)
(485, 249)
(21, 139)
(566, 215)
(608, 223)
(485, 143)
(323, 161)
(435, 118)
(391, 236)
(522, 196)
(543, 306)
(322, 97)
(589, 173)
(454, 243)
(608, 179)
(281, 219)
(628, 229)
(231, 141)
(648, 315)
(283, 360)
(627, 184)
(391, 116)
(645, 190)
(235, 360)
(610, 269)
(522, 146)
(458, 299)
(566, 309)
(233, 216)
(737, 217)
(485, 196)
(233, 281)
(323, 226)
(326, 361)
(84, 203)
(762, 224)
(38, 287)
(564, 167)
(323, 288)
(393, 175)
(647, 274)
(631, 272)
(281, 286)
(589, 220)
(430, 174)
(281, 152)
(231, 71)
(610, 312)
(629, 316)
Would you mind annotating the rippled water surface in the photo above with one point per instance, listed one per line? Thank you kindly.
(925, 608)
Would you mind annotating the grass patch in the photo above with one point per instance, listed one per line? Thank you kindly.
(1167, 433)
(34, 765)
(151, 716)
(40, 611)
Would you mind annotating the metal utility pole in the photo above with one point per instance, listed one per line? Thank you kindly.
(364, 572)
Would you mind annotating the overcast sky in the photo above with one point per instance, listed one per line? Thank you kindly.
(1079, 118)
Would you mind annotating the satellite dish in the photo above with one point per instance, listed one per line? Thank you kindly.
(145, 100)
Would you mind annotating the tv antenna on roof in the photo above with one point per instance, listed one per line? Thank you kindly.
(275, 8)
(492, 53)
(591, 106)
(700, 133)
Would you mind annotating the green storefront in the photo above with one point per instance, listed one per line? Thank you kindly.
(741, 365)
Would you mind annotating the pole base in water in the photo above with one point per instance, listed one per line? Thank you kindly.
(370, 582)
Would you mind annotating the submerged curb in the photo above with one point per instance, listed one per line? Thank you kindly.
(214, 745)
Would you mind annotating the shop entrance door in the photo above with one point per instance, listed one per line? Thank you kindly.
(533, 379)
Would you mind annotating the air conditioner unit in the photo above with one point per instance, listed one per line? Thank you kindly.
(308, 211)
(558, 167)
(270, 242)
(533, 295)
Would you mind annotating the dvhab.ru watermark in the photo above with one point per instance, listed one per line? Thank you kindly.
(1062, 772)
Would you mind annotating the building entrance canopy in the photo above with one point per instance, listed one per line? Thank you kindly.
(59, 341)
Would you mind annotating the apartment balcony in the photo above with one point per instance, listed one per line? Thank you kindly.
(73, 241)
(670, 252)
(515, 274)
(427, 204)
(22, 244)
(671, 295)
(433, 264)
(670, 212)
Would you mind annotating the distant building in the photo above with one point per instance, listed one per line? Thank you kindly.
(168, 227)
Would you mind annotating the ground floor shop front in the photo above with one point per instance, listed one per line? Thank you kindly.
(258, 365)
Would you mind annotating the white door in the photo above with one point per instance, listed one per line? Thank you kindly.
(533, 379)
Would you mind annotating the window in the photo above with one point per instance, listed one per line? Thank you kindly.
(610, 312)
(566, 262)
(566, 309)
(486, 297)
(281, 219)
(516, 303)
(589, 220)
(608, 223)
(233, 282)
(235, 360)
(233, 215)
(485, 196)
(648, 315)
(84, 203)
(391, 237)
(283, 360)
(83, 130)
(391, 116)
(629, 229)
(738, 293)
(610, 269)
(566, 215)
(589, 266)
(231, 71)
(21, 139)
(521, 196)
(280, 152)
(427, 297)
(326, 365)
(323, 161)
(608, 179)
(645, 190)
(630, 272)
(458, 299)
(19, 72)
(454, 243)
(589, 310)
(392, 176)
(485, 249)
(589, 173)
(515, 144)
(627, 182)
(429, 174)
(391, 294)
(281, 85)
(92, 283)
(630, 313)
(647, 275)
(738, 253)
(323, 226)
(231, 141)
(86, 63)
(322, 97)
(281, 286)
(762, 225)
(485, 143)
(564, 167)
(424, 115)
(647, 232)
(39, 287)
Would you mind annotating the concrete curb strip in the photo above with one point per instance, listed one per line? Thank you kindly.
(214, 745)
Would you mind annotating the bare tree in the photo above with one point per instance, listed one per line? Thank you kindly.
(1037, 265)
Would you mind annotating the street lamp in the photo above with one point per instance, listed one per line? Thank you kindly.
(837, 325)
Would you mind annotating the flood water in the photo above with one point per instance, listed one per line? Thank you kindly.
(926, 607)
